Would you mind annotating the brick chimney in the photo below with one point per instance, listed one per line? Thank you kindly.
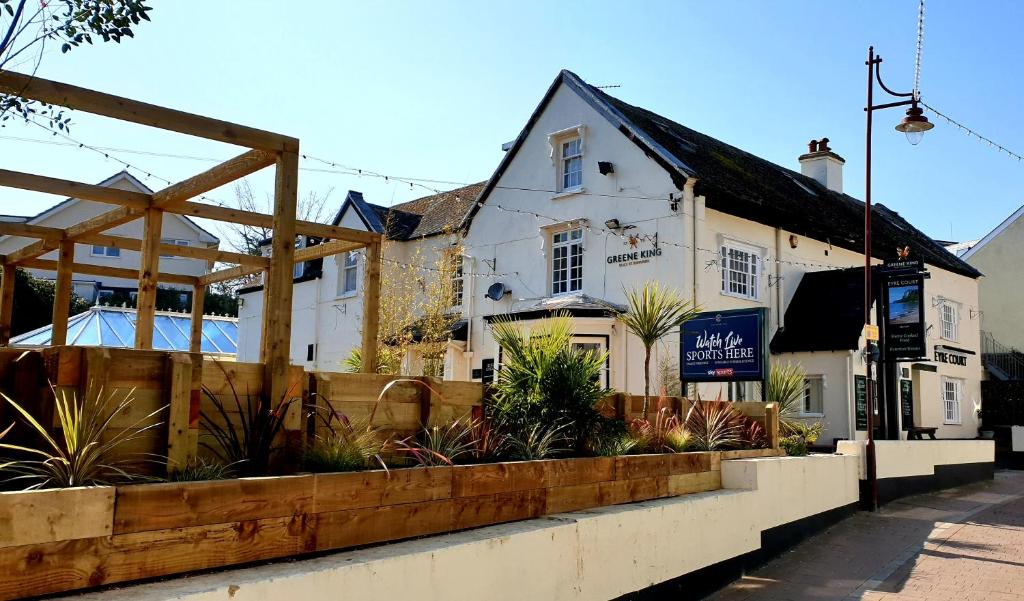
(823, 165)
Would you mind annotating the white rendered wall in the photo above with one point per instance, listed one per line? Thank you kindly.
(898, 458)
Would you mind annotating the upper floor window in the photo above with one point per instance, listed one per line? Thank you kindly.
(567, 261)
(348, 273)
(572, 164)
(814, 396)
(458, 280)
(105, 251)
(299, 268)
(949, 316)
(174, 242)
(952, 395)
(740, 270)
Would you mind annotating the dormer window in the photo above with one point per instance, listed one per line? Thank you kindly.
(572, 164)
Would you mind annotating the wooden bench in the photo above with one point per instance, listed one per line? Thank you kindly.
(917, 433)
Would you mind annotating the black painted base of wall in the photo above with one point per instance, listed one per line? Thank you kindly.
(774, 541)
(945, 476)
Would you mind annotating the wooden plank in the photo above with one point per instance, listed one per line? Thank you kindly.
(684, 484)
(224, 173)
(371, 307)
(771, 426)
(7, 303)
(195, 341)
(142, 508)
(73, 189)
(494, 478)
(251, 267)
(357, 490)
(175, 250)
(117, 272)
(42, 516)
(29, 230)
(641, 466)
(306, 228)
(472, 512)
(688, 463)
(178, 375)
(62, 293)
(573, 472)
(341, 529)
(231, 273)
(149, 267)
(277, 298)
(116, 107)
(750, 454)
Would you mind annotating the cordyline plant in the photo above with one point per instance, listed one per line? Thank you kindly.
(653, 312)
(88, 451)
(245, 437)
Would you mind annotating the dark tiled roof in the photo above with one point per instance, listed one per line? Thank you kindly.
(440, 212)
(742, 184)
(826, 313)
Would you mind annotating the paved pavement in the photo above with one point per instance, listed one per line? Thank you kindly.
(963, 544)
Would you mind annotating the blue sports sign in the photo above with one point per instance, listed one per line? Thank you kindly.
(720, 346)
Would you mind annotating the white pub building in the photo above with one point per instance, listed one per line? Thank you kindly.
(595, 197)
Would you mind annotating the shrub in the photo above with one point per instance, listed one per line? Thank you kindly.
(199, 469)
(539, 442)
(664, 434)
(799, 435)
(346, 446)
(545, 380)
(439, 445)
(713, 426)
(87, 452)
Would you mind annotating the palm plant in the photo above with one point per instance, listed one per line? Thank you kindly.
(786, 386)
(653, 312)
(713, 426)
(541, 441)
(88, 451)
(439, 444)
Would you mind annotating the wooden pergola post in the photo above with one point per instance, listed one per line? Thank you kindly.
(7, 303)
(62, 292)
(149, 266)
(371, 307)
(195, 341)
(277, 291)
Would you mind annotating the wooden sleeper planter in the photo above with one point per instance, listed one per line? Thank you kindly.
(62, 540)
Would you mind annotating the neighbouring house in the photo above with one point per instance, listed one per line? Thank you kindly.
(327, 303)
(176, 229)
(596, 196)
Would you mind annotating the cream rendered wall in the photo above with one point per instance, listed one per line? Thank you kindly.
(899, 458)
(1000, 289)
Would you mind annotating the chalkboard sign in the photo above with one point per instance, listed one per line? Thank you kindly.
(907, 404)
(860, 395)
(487, 371)
(724, 346)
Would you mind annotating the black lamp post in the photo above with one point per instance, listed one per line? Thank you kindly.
(913, 125)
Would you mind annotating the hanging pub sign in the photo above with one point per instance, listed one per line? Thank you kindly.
(719, 346)
(903, 317)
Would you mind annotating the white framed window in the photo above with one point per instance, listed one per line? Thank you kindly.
(813, 403)
(740, 270)
(299, 268)
(571, 164)
(567, 261)
(174, 242)
(949, 318)
(458, 280)
(952, 398)
(105, 251)
(348, 273)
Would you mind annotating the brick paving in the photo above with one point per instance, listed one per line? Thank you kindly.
(960, 544)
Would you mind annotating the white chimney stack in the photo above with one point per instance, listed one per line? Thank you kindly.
(823, 165)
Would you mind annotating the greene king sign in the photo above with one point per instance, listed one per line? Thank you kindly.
(724, 346)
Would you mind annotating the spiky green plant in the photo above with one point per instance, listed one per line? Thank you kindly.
(87, 451)
(614, 445)
(541, 441)
(653, 436)
(200, 469)
(442, 444)
(786, 386)
(654, 311)
(346, 445)
(713, 426)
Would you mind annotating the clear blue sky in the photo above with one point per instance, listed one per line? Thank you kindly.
(432, 89)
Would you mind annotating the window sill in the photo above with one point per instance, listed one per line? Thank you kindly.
(347, 295)
(810, 415)
(752, 299)
(945, 423)
(570, 192)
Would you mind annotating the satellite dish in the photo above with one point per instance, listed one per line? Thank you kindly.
(497, 291)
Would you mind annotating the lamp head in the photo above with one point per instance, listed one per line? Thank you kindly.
(914, 124)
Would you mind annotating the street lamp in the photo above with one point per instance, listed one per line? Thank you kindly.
(913, 125)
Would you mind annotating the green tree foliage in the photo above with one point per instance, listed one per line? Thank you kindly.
(33, 303)
(28, 27)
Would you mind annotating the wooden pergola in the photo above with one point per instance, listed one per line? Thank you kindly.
(265, 149)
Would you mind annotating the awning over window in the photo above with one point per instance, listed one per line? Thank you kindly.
(115, 327)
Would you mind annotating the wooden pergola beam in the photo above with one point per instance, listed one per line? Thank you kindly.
(305, 228)
(305, 254)
(6, 303)
(116, 107)
(62, 294)
(114, 272)
(275, 345)
(73, 189)
(236, 168)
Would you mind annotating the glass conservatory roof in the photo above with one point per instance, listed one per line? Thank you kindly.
(115, 327)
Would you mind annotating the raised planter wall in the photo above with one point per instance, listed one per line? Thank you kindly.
(164, 529)
(909, 467)
(659, 549)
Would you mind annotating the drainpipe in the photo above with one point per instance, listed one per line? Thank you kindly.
(779, 319)
(690, 200)
(850, 416)
(468, 297)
